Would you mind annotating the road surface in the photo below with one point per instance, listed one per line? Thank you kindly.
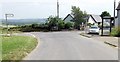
(70, 46)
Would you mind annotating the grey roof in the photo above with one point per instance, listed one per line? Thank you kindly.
(69, 15)
(118, 8)
(96, 18)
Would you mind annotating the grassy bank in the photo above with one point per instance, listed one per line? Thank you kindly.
(4, 31)
(17, 47)
(0, 48)
(1, 30)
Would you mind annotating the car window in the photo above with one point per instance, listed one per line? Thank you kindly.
(94, 27)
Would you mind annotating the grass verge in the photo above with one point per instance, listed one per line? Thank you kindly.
(17, 47)
(0, 48)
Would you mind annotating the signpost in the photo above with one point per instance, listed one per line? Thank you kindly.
(6, 17)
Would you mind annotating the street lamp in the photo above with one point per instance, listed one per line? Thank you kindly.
(6, 16)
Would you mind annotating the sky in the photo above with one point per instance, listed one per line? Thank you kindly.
(24, 9)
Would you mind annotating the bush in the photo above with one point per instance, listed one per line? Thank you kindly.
(26, 29)
(116, 32)
(69, 25)
(34, 25)
(61, 24)
(31, 27)
(77, 25)
(89, 24)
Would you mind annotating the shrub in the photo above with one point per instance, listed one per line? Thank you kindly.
(69, 25)
(89, 24)
(34, 25)
(31, 27)
(61, 24)
(77, 25)
(26, 29)
(116, 32)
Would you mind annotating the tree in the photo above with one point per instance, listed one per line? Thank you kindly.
(52, 21)
(105, 13)
(78, 16)
(55, 23)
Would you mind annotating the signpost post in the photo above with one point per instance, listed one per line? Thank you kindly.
(6, 17)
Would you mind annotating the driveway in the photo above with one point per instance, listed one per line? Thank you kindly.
(70, 46)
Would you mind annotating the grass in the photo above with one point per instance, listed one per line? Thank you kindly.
(116, 32)
(0, 30)
(0, 48)
(0, 44)
(17, 47)
(4, 31)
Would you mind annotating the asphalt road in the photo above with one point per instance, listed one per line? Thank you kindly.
(70, 46)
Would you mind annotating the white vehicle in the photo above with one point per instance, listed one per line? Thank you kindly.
(94, 29)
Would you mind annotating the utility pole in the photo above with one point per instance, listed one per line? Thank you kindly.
(114, 11)
(57, 8)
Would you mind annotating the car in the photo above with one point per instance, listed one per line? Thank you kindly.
(54, 28)
(94, 29)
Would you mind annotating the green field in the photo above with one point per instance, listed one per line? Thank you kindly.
(17, 47)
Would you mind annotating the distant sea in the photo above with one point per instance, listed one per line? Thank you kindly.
(23, 21)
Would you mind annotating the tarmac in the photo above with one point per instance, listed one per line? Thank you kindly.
(113, 41)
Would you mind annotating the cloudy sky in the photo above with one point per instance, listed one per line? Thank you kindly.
(45, 8)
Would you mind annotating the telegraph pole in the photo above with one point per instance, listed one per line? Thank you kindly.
(57, 8)
(114, 11)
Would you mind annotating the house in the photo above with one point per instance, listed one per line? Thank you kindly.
(69, 18)
(94, 19)
(117, 23)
